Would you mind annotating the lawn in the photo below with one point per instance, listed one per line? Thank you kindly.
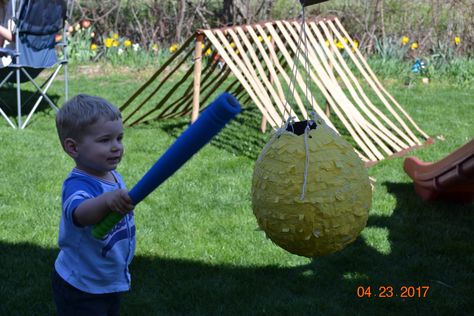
(199, 251)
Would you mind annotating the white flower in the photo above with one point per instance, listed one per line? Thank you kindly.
(120, 51)
(136, 47)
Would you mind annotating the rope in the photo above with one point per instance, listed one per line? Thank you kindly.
(316, 119)
(303, 39)
(294, 69)
(306, 163)
(308, 120)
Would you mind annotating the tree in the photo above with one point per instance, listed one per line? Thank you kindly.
(228, 12)
(180, 18)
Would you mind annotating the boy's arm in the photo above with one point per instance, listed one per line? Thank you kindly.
(92, 211)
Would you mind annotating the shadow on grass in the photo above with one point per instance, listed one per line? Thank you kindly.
(8, 101)
(430, 244)
(241, 136)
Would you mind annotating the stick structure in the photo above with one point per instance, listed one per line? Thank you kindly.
(285, 72)
(198, 134)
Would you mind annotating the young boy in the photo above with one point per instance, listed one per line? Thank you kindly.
(89, 274)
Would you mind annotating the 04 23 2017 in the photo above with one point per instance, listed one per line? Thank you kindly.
(389, 291)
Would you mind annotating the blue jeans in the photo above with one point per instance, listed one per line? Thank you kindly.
(73, 302)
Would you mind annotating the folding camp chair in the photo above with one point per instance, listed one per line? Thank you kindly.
(37, 23)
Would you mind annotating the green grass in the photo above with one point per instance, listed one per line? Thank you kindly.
(199, 251)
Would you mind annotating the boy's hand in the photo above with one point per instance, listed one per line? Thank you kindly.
(119, 201)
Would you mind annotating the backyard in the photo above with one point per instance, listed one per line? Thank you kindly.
(199, 249)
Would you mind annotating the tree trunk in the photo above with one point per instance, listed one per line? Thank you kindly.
(265, 10)
(228, 12)
(180, 22)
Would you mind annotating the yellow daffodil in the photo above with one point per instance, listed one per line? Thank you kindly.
(345, 40)
(327, 43)
(356, 43)
(414, 45)
(405, 40)
(115, 36)
(339, 45)
(457, 40)
(93, 47)
(108, 42)
(208, 52)
(232, 44)
(115, 43)
(260, 38)
(269, 37)
(127, 43)
(173, 48)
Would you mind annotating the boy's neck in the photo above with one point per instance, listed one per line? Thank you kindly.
(107, 175)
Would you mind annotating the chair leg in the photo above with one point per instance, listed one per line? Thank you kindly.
(7, 119)
(43, 95)
(5, 116)
(18, 96)
(66, 84)
(6, 78)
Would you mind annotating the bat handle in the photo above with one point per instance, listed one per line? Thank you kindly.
(102, 228)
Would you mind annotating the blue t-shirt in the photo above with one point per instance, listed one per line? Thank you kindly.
(93, 265)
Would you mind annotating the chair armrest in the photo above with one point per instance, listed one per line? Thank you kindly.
(8, 52)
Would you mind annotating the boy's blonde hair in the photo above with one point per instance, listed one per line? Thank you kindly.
(78, 113)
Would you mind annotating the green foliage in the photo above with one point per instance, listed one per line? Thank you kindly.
(85, 45)
(424, 21)
(284, 9)
(79, 45)
(390, 48)
(461, 70)
(458, 71)
(127, 54)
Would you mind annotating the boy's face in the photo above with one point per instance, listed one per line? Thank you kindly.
(100, 150)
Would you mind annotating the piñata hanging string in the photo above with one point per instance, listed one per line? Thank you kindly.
(302, 45)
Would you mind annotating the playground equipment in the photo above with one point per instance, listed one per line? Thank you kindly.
(216, 116)
(263, 58)
(451, 178)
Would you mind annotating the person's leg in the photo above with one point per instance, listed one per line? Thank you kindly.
(71, 301)
(61, 295)
(113, 301)
(97, 304)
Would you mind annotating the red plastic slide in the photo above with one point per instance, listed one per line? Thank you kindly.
(451, 178)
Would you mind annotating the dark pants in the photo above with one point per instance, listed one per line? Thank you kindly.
(73, 302)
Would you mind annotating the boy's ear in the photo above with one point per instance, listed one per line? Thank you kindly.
(70, 146)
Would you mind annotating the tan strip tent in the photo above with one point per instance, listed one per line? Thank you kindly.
(285, 75)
